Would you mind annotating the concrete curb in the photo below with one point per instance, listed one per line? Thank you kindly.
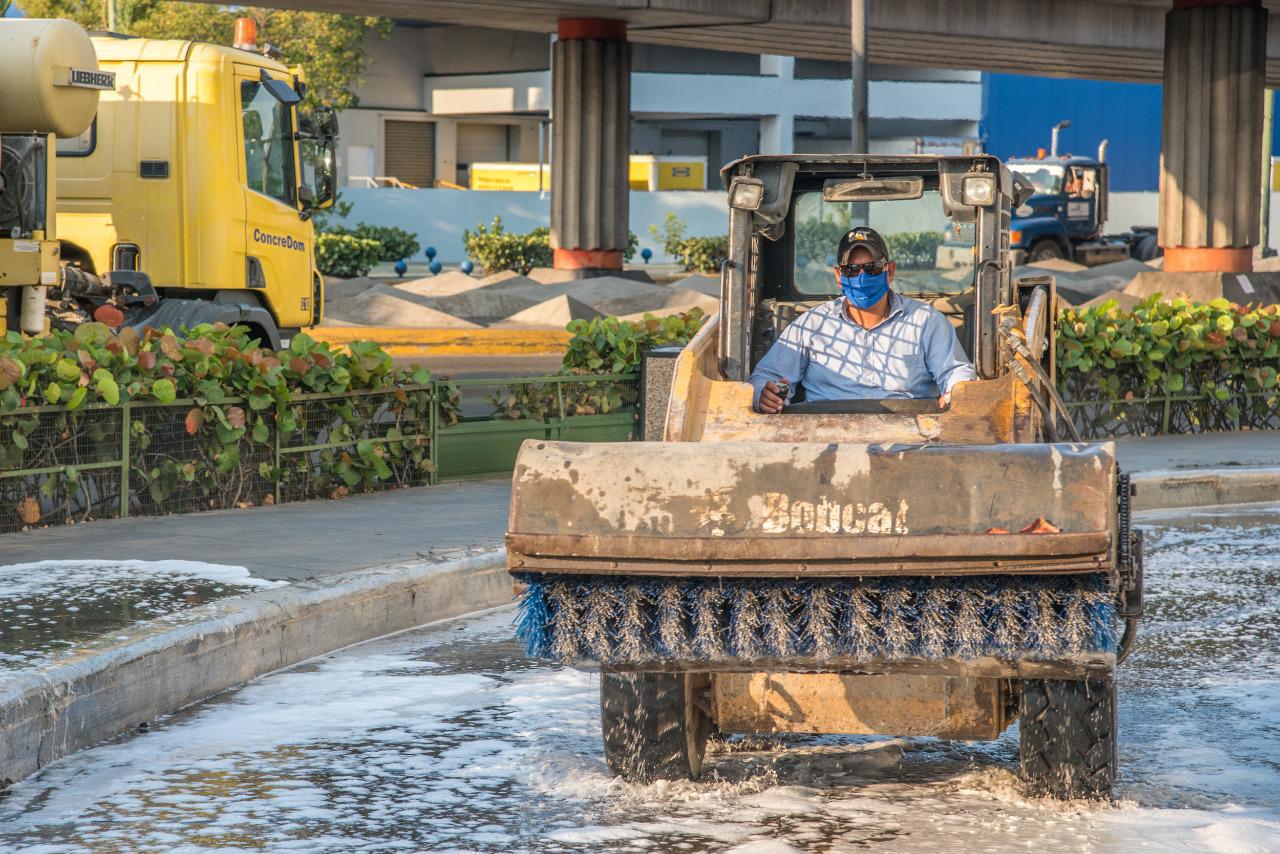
(1174, 488)
(165, 664)
(492, 341)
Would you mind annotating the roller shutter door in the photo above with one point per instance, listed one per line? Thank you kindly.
(482, 144)
(410, 152)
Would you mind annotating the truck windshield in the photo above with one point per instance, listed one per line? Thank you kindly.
(1047, 179)
(933, 255)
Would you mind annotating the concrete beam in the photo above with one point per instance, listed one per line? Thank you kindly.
(1057, 38)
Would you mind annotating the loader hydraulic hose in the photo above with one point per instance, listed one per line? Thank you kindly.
(1015, 339)
(1046, 411)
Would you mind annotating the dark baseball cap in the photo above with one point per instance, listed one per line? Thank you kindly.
(865, 237)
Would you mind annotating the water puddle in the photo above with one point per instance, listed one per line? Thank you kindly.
(48, 609)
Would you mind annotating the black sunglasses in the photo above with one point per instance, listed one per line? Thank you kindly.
(872, 268)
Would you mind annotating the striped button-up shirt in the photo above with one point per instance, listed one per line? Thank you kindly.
(912, 353)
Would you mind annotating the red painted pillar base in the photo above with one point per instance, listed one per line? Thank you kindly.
(588, 259)
(1208, 259)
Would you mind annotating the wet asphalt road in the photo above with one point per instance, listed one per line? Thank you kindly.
(447, 739)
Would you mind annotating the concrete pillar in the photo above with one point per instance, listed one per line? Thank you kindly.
(590, 143)
(1214, 62)
(858, 74)
(778, 132)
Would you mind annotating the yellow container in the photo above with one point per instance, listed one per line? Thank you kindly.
(663, 172)
(645, 172)
(508, 176)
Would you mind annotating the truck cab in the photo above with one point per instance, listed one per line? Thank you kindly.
(1066, 215)
(201, 171)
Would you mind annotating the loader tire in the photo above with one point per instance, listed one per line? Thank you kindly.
(1067, 745)
(651, 726)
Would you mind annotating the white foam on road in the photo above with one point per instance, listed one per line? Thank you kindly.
(448, 740)
(18, 579)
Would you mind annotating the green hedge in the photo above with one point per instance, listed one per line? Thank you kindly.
(495, 249)
(216, 409)
(1175, 366)
(345, 255)
(394, 244)
(600, 346)
(915, 249)
(696, 254)
(818, 239)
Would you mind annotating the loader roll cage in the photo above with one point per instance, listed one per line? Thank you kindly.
(974, 192)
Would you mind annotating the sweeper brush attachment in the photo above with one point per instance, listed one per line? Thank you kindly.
(659, 623)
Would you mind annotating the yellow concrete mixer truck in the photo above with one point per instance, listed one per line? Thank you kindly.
(188, 198)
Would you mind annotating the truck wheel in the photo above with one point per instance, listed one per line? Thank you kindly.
(1067, 746)
(1148, 249)
(652, 729)
(1045, 250)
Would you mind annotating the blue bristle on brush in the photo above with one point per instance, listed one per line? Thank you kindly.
(620, 620)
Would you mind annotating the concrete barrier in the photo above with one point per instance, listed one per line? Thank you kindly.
(1174, 489)
(155, 668)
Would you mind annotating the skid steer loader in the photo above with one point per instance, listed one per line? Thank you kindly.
(861, 567)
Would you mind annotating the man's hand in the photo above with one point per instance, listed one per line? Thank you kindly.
(771, 399)
(943, 402)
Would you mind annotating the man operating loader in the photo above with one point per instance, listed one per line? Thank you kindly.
(868, 343)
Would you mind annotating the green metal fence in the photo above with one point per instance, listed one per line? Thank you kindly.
(571, 408)
(146, 458)
(1177, 413)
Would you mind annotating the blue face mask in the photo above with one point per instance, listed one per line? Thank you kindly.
(864, 290)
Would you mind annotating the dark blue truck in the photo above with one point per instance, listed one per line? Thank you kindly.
(1065, 216)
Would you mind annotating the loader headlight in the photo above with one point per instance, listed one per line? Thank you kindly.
(979, 190)
(746, 194)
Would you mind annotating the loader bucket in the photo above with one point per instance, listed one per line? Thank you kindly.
(760, 509)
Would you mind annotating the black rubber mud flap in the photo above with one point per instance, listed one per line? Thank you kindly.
(652, 726)
(1068, 737)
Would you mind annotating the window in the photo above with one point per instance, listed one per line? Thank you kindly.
(933, 254)
(268, 143)
(1047, 179)
(1082, 183)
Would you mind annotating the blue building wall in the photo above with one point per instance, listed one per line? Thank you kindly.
(1018, 113)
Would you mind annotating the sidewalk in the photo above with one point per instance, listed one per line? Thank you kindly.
(1253, 449)
(292, 542)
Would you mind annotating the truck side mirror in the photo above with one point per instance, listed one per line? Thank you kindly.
(327, 120)
(1023, 189)
(306, 201)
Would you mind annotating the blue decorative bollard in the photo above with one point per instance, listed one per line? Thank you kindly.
(831, 260)
(435, 267)
(646, 253)
(430, 252)
(802, 261)
(466, 266)
(401, 267)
